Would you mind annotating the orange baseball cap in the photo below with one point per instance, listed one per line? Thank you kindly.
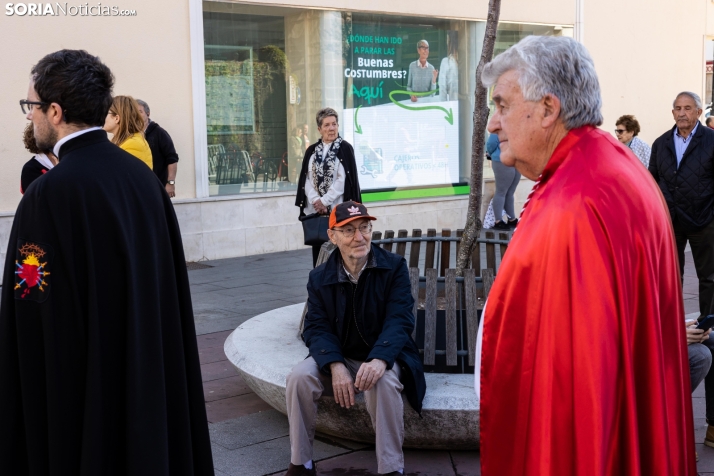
(346, 212)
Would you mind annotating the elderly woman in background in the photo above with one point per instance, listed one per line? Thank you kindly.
(626, 129)
(126, 124)
(328, 175)
(37, 166)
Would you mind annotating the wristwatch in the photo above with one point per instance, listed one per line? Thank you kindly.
(172, 182)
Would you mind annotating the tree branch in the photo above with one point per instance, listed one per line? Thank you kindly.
(473, 216)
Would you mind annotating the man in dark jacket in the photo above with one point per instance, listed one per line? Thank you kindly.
(99, 369)
(682, 164)
(358, 329)
(162, 148)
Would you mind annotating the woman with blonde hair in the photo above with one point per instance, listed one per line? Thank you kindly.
(124, 121)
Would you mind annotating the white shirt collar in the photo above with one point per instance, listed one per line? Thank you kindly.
(60, 142)
(44, 160)
(426, 64)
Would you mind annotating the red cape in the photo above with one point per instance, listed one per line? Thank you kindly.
(584, 365)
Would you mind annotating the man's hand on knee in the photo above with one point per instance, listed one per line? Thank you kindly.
(369, 374)
(342, 385)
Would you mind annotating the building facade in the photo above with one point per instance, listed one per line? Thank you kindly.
(237, 86)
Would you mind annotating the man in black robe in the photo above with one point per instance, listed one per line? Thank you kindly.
(99, 369)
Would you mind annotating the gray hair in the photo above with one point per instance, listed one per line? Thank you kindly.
(422, 42)
(553, 65)
(323, 114)
(695, 96)
(144, 105)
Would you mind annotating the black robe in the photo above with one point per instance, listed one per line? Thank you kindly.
(99, 369)
(346, 155)
(31, 171)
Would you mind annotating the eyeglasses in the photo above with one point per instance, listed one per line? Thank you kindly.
(349, 232)
(620, 131)
(25, 104)
(423, 47)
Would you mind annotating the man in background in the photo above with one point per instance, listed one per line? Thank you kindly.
(422, 74)
(162, 150)
(584, 367)
(99, 369)
(682, 164)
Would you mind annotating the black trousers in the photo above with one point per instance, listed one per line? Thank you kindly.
(702, 244)
(315, 254)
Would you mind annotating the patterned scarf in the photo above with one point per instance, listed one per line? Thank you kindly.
(324, 170)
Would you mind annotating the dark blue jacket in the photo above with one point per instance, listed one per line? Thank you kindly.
(689, 188)
(387, 319)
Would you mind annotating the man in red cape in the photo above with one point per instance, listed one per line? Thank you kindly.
(584, 366)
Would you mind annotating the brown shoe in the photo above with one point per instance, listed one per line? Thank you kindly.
(301, 470)
(709, 439)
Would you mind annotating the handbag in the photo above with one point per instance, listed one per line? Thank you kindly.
(314, 227)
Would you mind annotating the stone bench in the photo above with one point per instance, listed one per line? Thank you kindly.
(265, 348)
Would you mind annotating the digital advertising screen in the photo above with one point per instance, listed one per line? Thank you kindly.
(401, 104)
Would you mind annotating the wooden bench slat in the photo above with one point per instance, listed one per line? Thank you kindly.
(388, 234)
(414, 280)
(490, 251)
(414, 251)
(487, 276)
(459, 234)
(445, 252)
(476, 259)
(451, 296)
(376, 235)
(402, 247)
(430, 248)
(503, 236)
(325, 251)
(471, 312)
(430, 318)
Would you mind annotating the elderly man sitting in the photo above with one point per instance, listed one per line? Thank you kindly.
(358, 329)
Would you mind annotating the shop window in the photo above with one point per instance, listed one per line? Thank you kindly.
(403, 87)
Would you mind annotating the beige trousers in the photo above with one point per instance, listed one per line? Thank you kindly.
(306, 384)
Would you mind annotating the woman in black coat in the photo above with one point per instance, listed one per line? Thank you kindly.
(329, 172)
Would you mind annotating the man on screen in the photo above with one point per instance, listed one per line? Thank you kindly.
(422, 75)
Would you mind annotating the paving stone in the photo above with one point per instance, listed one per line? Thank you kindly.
(467, 463)
(364, 463)
(216, 370)
(358, 463)
(234, 407)
(211, 354)
(203, 288)
(215, 339)
(264, 458)
(706, 458)
(250, 429)
(225, 388)
(229, 324)
(700, 429)
(431, 463)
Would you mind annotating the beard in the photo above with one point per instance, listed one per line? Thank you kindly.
(45, 136)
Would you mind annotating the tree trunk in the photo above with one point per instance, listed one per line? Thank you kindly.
(472, 230)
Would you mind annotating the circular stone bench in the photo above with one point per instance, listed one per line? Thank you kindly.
(265, 348)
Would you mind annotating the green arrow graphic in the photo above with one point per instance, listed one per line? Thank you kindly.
(449, 114)
(358, 129)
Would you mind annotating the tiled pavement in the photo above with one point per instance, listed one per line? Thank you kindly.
(248, 436)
